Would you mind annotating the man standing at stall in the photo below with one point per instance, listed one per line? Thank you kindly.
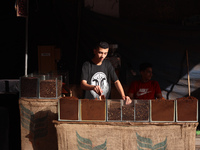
(97, 75)
(145, 88)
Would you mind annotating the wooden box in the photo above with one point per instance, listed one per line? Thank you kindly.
(162, 111)
(93, 110)
(187, 110)
(74, 109)
(68, 109)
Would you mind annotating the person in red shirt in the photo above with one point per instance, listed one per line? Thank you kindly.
(145, 88)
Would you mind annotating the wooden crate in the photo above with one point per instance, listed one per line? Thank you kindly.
(187, 110)
(93, 110)
(74, 109)
(68, 108)
(162, 111)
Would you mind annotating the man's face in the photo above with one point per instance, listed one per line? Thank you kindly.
(147, 74)
(101, 53)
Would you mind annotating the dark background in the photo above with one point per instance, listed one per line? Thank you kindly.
(158, 31)
(67, 24)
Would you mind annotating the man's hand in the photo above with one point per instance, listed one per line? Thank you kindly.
(98, 90)
(127, 100)
(102, 97)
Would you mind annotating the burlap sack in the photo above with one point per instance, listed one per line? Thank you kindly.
(37, 129)
(78, 136)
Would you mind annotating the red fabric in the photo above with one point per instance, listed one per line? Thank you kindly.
(144, 90)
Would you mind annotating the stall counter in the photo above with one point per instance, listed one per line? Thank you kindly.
(125, 135)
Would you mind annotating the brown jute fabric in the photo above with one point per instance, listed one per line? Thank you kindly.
(37, 129)
(128, 137)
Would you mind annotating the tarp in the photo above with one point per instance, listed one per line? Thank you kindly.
(160, 44)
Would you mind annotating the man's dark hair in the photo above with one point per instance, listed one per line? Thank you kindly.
(102, 45)
(145, 65)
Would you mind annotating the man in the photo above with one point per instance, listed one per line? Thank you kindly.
(145, 88)
(97, 75)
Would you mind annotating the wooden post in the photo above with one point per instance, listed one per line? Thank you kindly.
(188, 72)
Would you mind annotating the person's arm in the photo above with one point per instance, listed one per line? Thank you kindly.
(86, 86)
(159, 96)
(158, 91)
(120, 89)
(121, 92)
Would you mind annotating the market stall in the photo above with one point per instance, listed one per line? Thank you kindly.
(50, 121)
(145, 124)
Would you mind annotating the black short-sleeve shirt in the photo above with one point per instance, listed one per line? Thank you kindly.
(100, 75)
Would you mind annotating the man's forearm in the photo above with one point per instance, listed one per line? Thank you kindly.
(86, 86)
(120, 89)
